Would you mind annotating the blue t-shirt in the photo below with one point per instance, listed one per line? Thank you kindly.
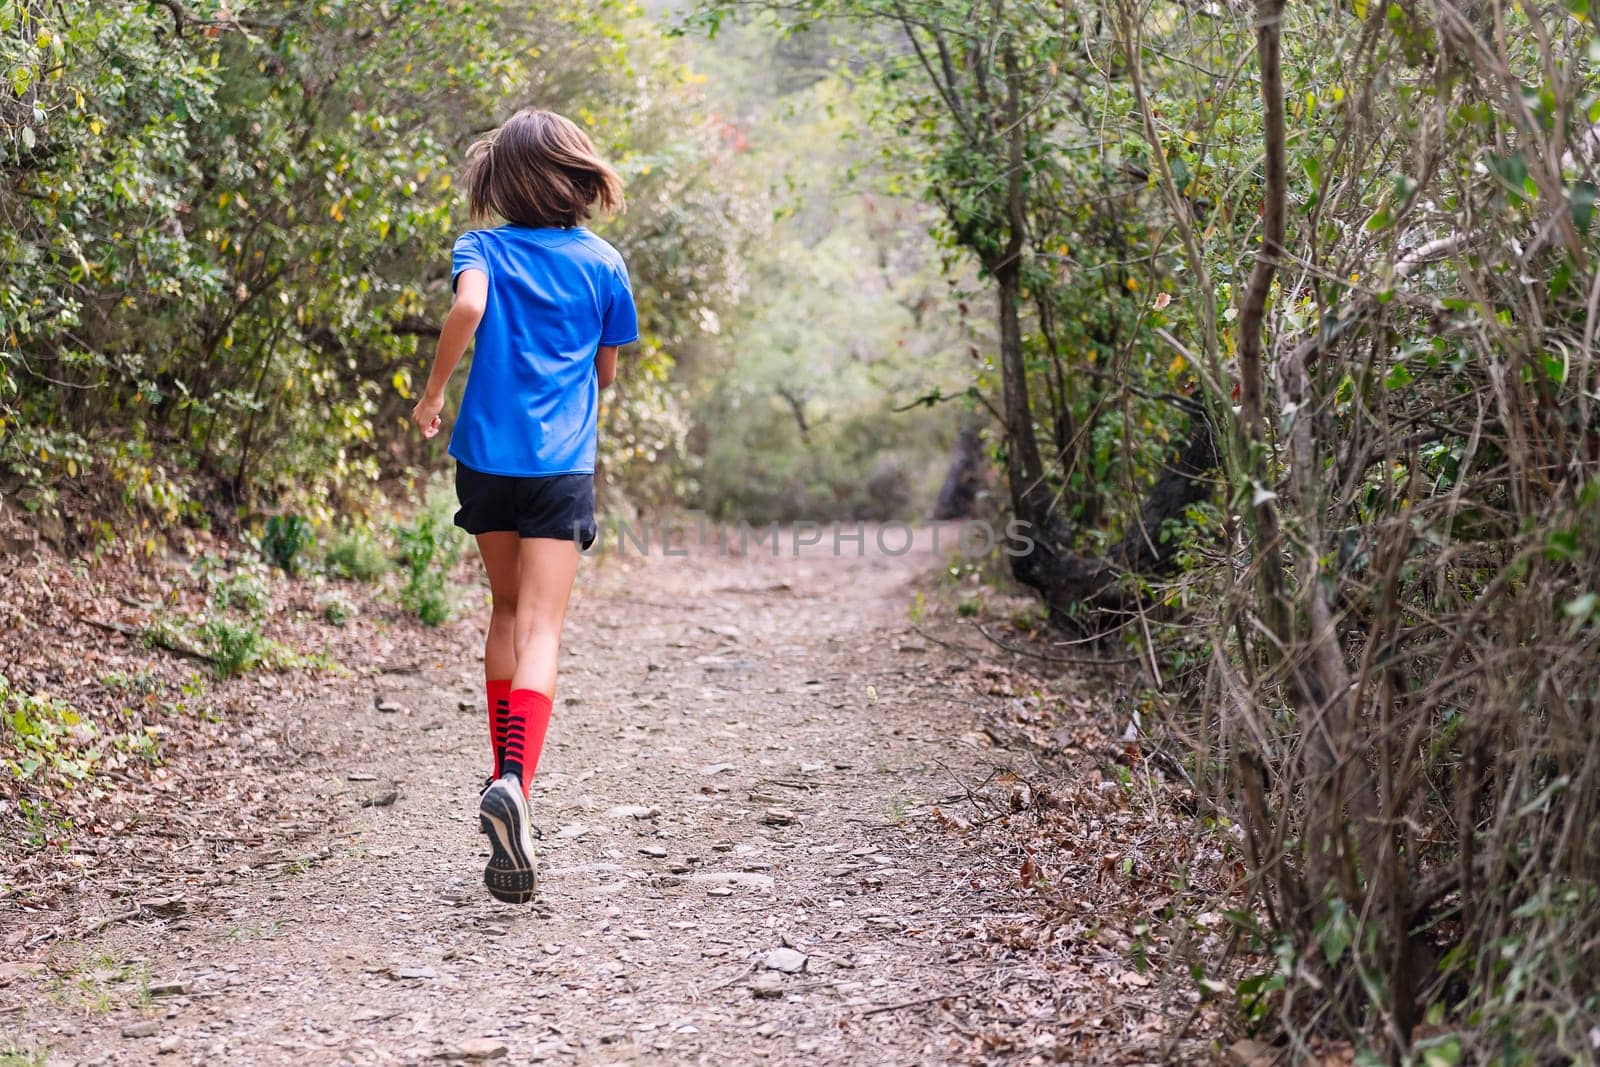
(532, 400)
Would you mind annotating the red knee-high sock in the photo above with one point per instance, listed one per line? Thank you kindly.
(526, 723)
(499, 691)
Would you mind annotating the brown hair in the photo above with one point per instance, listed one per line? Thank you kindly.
(539, 169)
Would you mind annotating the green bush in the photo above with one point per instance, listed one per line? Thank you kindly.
(336, 610)
(355, 555)
(284, 538)
(243, 591)
(234, 646)
(429, 546)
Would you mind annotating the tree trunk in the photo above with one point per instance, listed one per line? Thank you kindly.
(1070, 584)
(959, 494)
(1030, 497)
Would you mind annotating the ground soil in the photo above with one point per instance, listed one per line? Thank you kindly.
(750, 753)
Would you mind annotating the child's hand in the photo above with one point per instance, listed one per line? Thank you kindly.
(426, 415)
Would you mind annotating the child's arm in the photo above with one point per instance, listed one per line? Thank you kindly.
(472, 293)
(605, 364)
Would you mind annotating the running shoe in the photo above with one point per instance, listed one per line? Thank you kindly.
(503, 817)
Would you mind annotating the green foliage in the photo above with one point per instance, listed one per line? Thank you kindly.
(176, 190)
(800, 396)
(356, 555)
(1377, 600)
(234, 645)
(243, 591)
(227, 249)
(42, 737)
(430, 546)
(283, 539)
(336, 610)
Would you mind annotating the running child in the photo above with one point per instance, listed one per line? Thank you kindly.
(546, 304)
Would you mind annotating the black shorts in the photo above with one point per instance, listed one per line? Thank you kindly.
(559, 506)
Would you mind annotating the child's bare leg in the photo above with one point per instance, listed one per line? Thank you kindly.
(547, 568)
(501, 554)
(501, 560)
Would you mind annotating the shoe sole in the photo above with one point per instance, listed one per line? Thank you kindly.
(509, 876)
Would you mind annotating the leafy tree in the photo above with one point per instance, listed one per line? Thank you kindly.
(229, 244)
(1341, 305)
(996, 128)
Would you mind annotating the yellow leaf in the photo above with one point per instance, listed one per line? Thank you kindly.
(1176, 367)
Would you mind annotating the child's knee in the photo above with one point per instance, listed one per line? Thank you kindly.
(504, 607)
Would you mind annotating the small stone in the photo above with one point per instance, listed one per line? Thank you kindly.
(766, 985)
(383, 798)
(360, 776)
(763, 798)
(779, 817)
(636, 935)
(572, 830)
(169, 1044)
(719, 891)
(389, 707)
(655, 852)
(168, 989)
(633, 811)
(786, 960)
(810, 768)
(729, 665)
(414, 973)
(466, 704)
(142, 1028)
(479, 1048)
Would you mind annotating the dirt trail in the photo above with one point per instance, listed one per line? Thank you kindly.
(744, 754)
